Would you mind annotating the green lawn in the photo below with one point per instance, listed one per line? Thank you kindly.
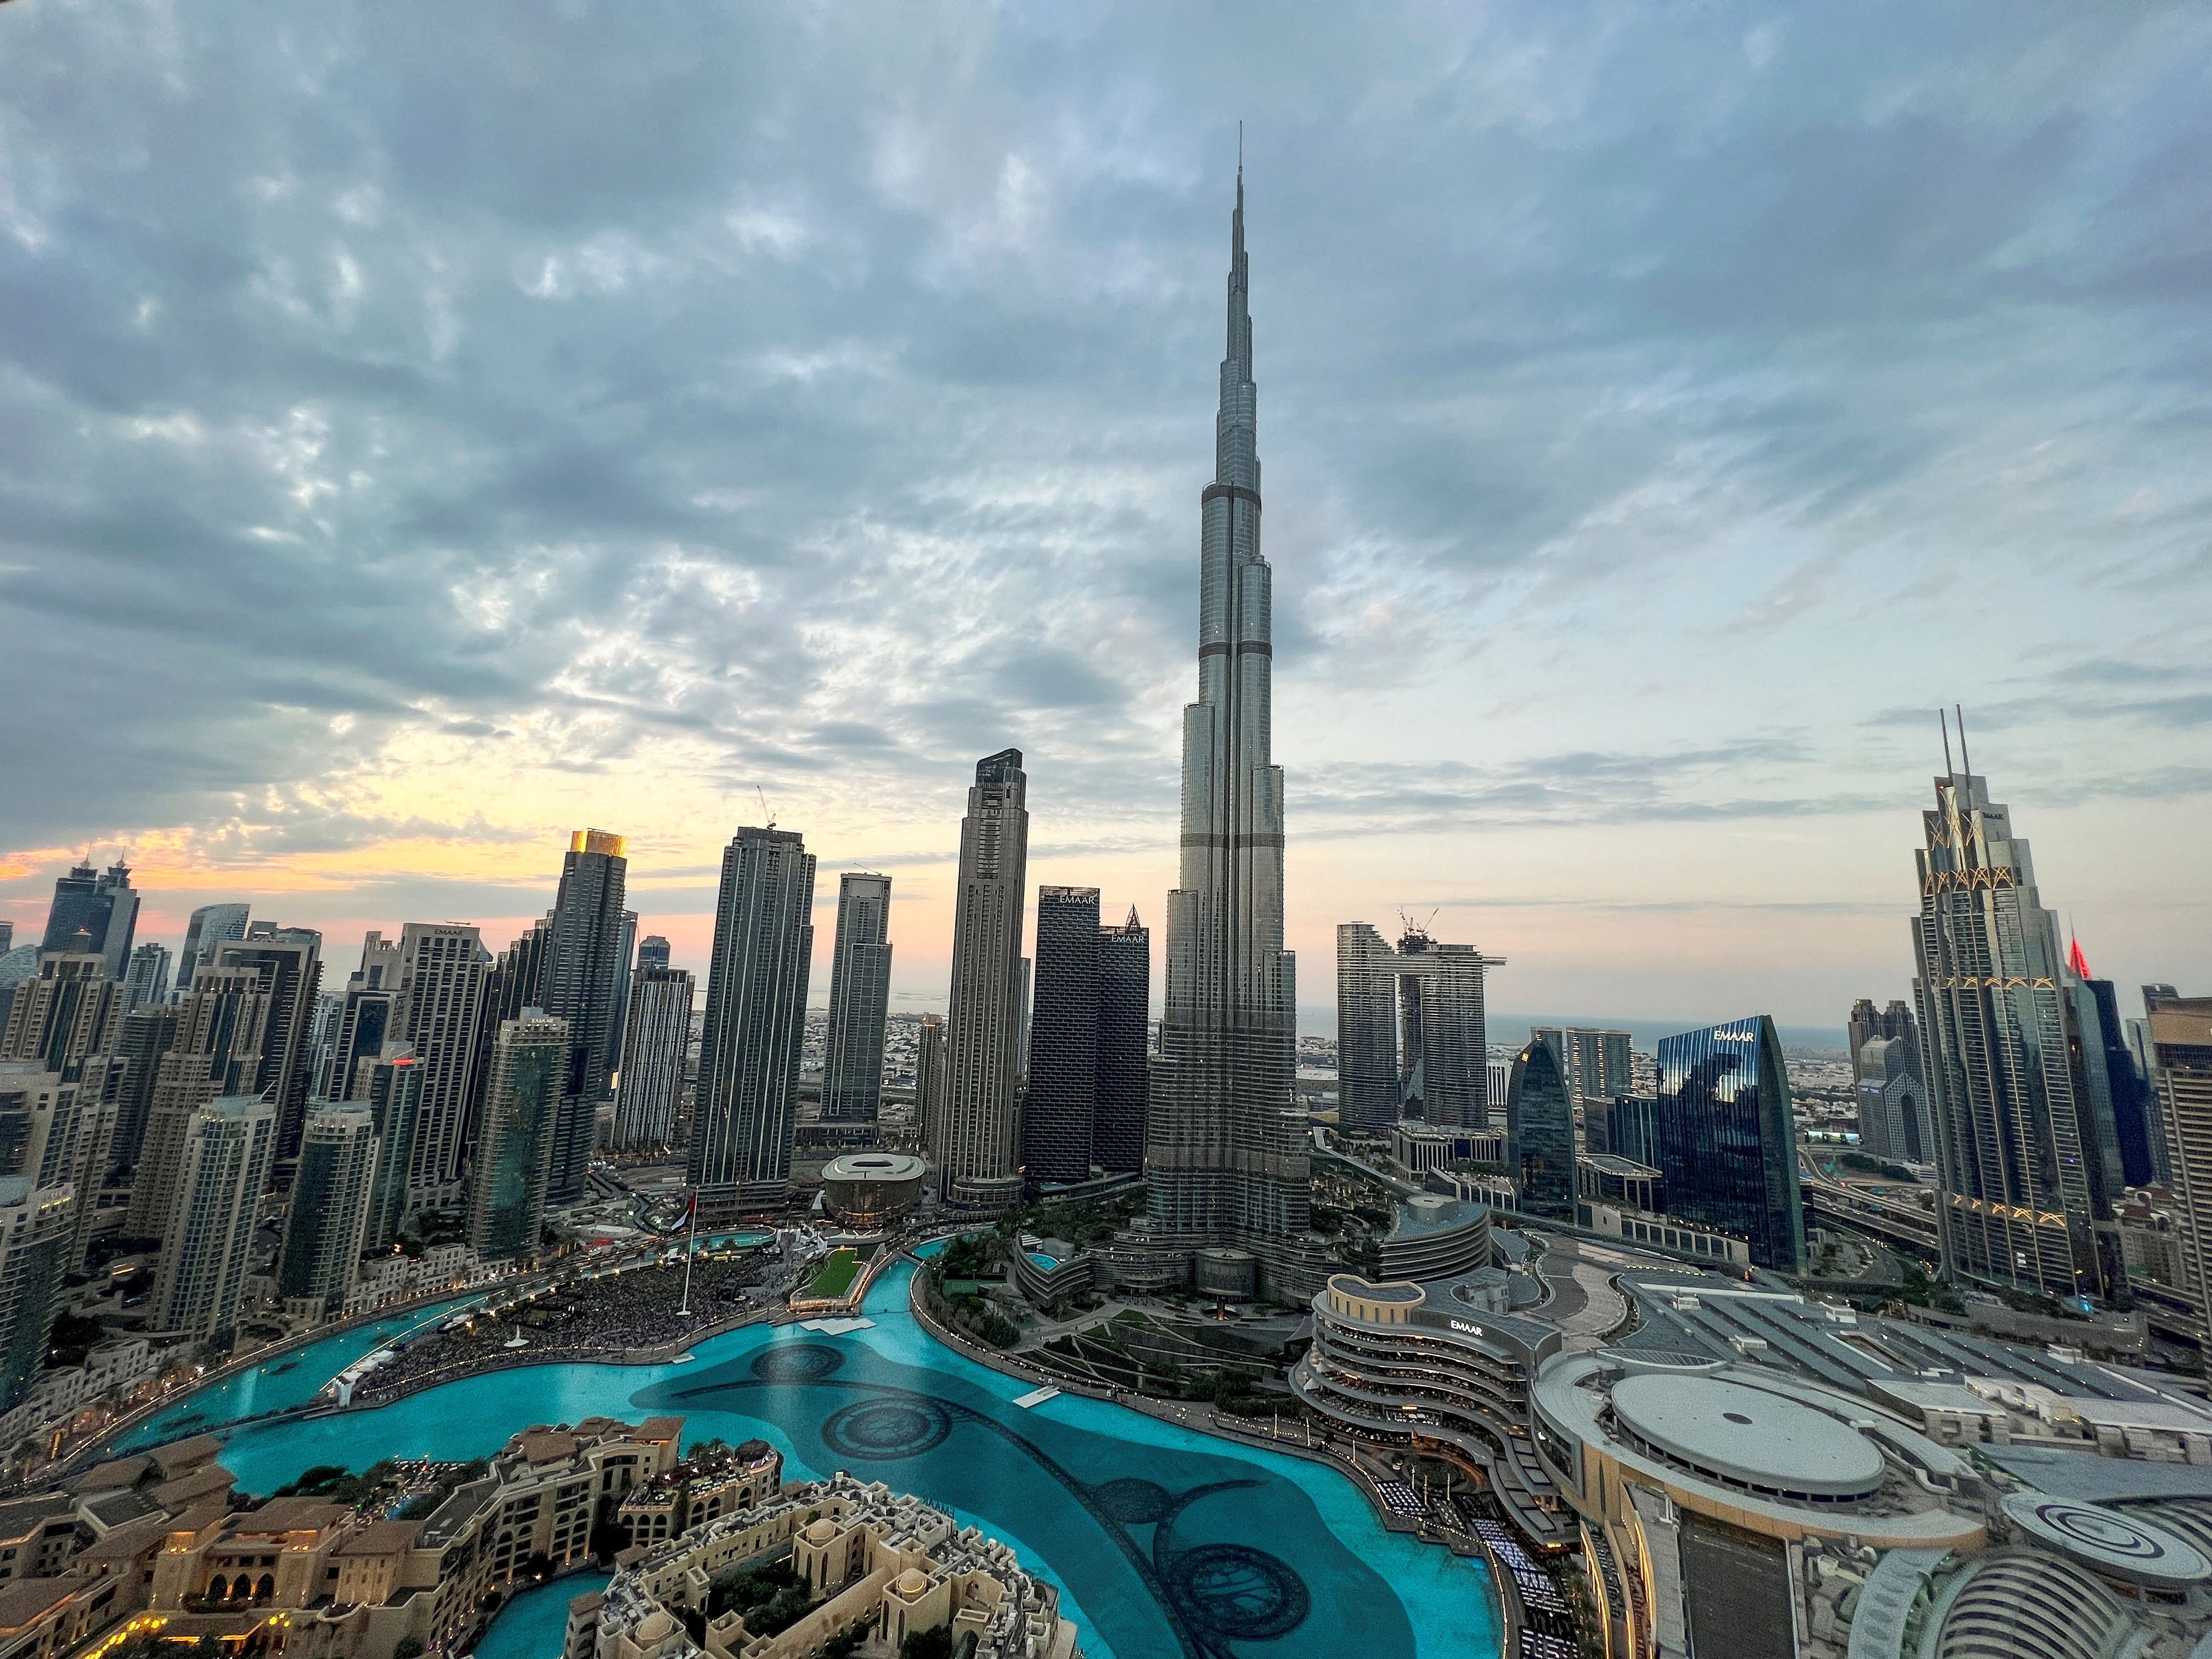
(835, 1275)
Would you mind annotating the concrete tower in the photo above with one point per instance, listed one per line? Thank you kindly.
(207, 1249)
(860, 997)
(441, 982)
(661, 999)
(976, 1136)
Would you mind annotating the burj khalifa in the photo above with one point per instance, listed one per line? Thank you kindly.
(1226, 1145)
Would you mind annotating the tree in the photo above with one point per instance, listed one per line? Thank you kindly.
(927, 1644)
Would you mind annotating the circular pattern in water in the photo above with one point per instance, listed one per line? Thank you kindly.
(1238, 1593)
(1133, 1501)
(797, 1362)
(887, 1429)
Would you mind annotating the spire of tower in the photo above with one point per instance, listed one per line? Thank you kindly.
(2076, 963)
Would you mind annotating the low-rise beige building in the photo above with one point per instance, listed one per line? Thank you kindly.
(878, 1560)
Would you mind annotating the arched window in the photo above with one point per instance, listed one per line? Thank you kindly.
(265, 1589)
(218, 1589)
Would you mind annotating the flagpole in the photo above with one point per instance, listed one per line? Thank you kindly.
(690, 1250)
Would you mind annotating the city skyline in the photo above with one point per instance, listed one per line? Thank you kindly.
(1531, 468)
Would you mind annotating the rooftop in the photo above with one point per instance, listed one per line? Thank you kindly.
(1741, 1433)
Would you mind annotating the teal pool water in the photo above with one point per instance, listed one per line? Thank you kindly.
(1166, 1543)
(291, 1379)
(533, 1624)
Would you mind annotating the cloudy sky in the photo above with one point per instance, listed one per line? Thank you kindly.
(425, 429)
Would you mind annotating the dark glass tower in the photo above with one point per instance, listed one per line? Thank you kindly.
(859, 998)
(1728, 1138)
(530, 1065)
(754, 1023)
(583, 957)
(2135, 1120)
(104, 905)
(1540, 1134)
(1060, 1111)
(1125, 1063)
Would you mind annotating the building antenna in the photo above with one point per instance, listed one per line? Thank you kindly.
(1943, 720)
(1964, 759)
(766, 812)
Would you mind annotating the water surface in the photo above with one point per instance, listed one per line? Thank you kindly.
(1166, 1543)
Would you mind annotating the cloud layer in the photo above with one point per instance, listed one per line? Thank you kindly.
(425, 429)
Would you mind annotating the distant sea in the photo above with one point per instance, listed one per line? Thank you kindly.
(1512, 1030)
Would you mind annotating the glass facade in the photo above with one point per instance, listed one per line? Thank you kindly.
(1728, 1138)
(1062, 1096)
(1539, 1130)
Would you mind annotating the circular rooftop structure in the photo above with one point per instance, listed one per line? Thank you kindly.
(2109, 1542)
(868, 1189)
(1745, 1437)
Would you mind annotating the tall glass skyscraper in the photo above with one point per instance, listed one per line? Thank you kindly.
(1060, 1106)
(327, 1219)
(1540, 1134)
(1728, 1138)
(531, 1061)
(756, 1020)
(1226, 1145)
(975, 1128)
(104, 906)
(2018, 1141)
(1125, 1059)
(582, 977)
(860, 999)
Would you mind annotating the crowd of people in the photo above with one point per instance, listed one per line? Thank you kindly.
(612, 1317)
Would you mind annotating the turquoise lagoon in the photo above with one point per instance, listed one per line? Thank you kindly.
(1166, 1543)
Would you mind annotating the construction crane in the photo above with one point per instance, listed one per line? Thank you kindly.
(765, 811)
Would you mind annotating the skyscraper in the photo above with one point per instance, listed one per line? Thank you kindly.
(208, 1247)
(2021, 1172)
(653, 951)
(1410, 1030)
(929, 1081)
(978, 1132)
(366, 1011)
(1226, 1145)
(442, 977)
(1867, 1024)
(145, 1034)
(1060, 1106)
(756, 1020)
(1598, 1066)
(104, 906)
(1892, 1101)
(625, 956)
(2135, 1122)
(531, 1064)
(2180, 1033)
(583, 966)
(65, 1015)
(209, 926)
(215, 1052)
(1728, 1138)
(660, 1002)
(860, 997)
(290, 962)
(36, 1224)
(146, 979)
(1125, 1060)
(328, 1217)
(1540, 1134)
(391, 1088)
